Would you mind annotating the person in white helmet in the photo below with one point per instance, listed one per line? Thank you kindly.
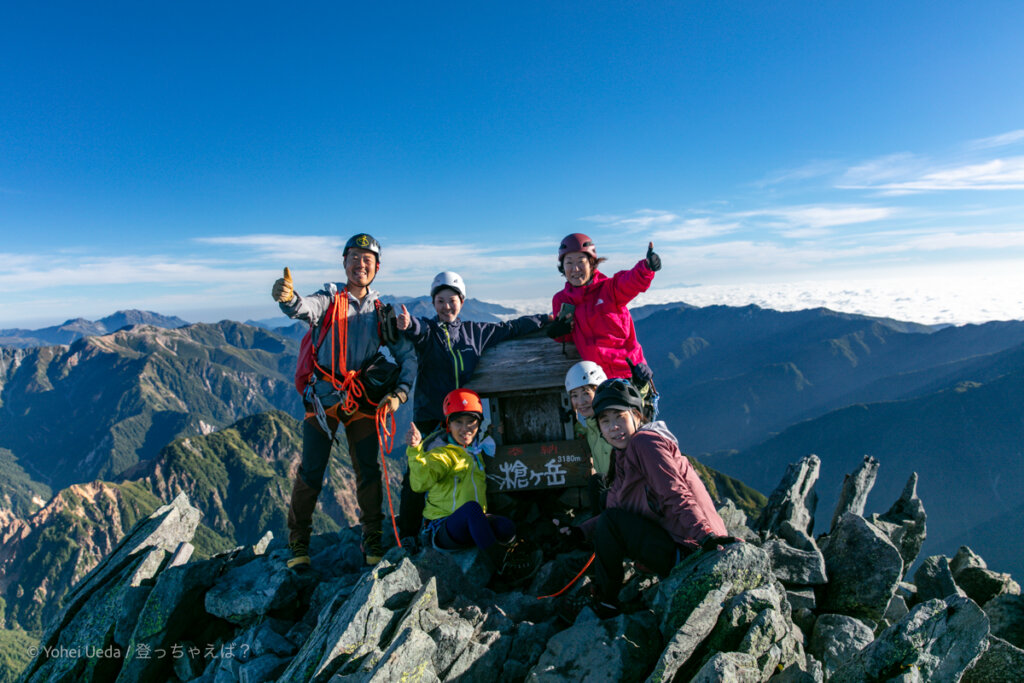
(581, 382)
(448, 350)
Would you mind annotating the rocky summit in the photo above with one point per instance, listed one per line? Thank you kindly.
(782, 606)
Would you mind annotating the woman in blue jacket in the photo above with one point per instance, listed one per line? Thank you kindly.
(448, 350)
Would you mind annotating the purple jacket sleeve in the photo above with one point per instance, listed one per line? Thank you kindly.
(690, 514)
(626, 284)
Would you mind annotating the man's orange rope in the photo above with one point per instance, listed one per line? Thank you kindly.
(386, 439)
(574, 580)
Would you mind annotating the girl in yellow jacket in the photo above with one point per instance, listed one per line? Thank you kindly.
(453, 476)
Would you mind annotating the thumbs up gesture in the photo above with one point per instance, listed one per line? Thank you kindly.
(404, 319)
(283, 292)
(653, 260)
(412, 437)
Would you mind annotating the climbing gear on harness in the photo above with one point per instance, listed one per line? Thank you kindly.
(448, 279)
(583, 374)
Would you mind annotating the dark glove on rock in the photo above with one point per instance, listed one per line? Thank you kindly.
(653, 260)
(713, 542)
(558, 328)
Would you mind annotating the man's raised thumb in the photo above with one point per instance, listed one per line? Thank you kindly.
(287, 274)
(405, 311)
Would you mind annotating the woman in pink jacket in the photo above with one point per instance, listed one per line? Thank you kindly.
(658, 509)
(602, 328)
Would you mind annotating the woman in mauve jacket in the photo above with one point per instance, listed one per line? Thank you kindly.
(658, 509)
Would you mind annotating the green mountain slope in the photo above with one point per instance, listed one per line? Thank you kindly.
(98, 407)
(239, 477)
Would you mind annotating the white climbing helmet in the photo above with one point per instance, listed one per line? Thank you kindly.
(583, 373)
(448, 279)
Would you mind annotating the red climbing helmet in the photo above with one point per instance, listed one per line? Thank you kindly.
(462, 401)
(576, 242)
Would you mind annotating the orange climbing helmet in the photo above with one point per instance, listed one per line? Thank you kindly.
(462, 401)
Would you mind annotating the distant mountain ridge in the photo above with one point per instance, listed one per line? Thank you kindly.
(72, 330)
(419, 306)
(95, 408)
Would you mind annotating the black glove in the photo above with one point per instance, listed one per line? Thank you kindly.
(558, 328)
(653, 260)
(713, 542)
(572, 535)
(641, 374)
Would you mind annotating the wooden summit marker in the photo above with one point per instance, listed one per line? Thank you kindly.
(524, 383)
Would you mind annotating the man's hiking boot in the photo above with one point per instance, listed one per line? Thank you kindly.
(515, 561)
(300, 555)
(586, 596)
(373, 548)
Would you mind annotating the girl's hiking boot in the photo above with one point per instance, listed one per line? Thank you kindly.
(516, 561)
(373, 548)
(300, 555)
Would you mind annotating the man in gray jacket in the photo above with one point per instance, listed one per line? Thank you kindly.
(334, 399)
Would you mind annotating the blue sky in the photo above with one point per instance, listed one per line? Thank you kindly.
(174, 156)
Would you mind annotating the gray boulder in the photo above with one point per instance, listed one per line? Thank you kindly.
(934, 580)
(350, 628)
(111, 595)
(690, 635)
(964, 558)
(1000, 662)
(801, 598)
(1006, 616)
(251, 591)
(756, 618)
(792, 503)
(735, 667)
(896, 610)
(810, 672)
(837, 638)
(260, 669)
(937, 641)
(170, 616)
(619, 649)
(856, 487)
(981, 585)
(741, 565)
(736, 522)
(905, 523)
(794, 566)
(864, 568)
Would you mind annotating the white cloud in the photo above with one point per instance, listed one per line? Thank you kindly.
(825, 216)
(906, 174)
(693, 229)
(1011, 138)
